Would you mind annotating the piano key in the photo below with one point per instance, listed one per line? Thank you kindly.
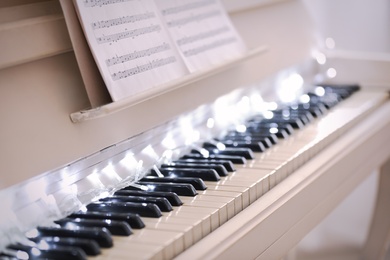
(146, 244)
(242, 152)
(133, 220)
(183, 189)
(209, 216)
(205, 199)
(204, 174)
(172, 197)
(226, 163)
(143, 209)
(119, 228)
(266, 139)
(101, 235)
(230, 194)
(134, 251)
(254, 146)
(161, 202)
(184, 228)
(185, 219)
(234, 159)
(51, 252)
(90, 247)
(219, 168)
(197, 183)
(219, 204)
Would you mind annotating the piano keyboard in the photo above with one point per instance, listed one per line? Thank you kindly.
(169, 217)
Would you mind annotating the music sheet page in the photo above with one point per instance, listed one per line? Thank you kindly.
(141, 44)
(202, 32)
(132, 49)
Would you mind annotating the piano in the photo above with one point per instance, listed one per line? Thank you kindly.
(64, 155)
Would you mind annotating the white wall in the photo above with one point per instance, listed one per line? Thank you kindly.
(356, 25)
(359, 25)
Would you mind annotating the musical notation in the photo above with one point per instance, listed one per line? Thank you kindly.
(123, 20)
(100, 3)
(142, 68)
(207, 47)
(186, 7)
(201, 36)
(139, 44)
(128, 34)
(137, 54)
(193, 18)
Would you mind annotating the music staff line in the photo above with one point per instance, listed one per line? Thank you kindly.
(187, 7)
(100, 3)
(193, 18)
(202, 35)
(142, 68)
(137, 54)
(207, 47)
(122, 20)
(128, 34)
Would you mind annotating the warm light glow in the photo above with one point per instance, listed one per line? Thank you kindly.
(241, 128)
(331, 72)
(290, 87)
(43, 245)
(22, 255)
(210, 123)
(169, 142)
(35, 251)
(273, 130)
(321, 58)
(268, 114)
(304, 98)
(272, 105)
(32, 233)
(319, 91)
(330, 43)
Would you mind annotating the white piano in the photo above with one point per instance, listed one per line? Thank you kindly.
(61, 149)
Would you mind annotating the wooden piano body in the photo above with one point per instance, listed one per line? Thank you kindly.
(41, 87)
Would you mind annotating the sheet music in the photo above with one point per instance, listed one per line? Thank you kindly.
(202, 32)
(130, 45)
(140, 44)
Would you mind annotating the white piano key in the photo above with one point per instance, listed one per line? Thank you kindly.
(244, 191)
(221, 206)
(225, 182)
(177, 225)
(129, 250)
(230, 194)
(229, 201)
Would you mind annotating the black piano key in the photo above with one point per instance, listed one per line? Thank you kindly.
(182, 189)
(227, 164)
(296, 123)
(143, 209)
(281, 126)
(134, 220)
(198, 183)
(161, 202)
(101, 235)
(90, 247)
(254, 146)
(119, 228)
(219, 168)
(53, 252)
(172, 197)
(244, 152)
(263, 142)
(204, 174)
(258, 134)
(314, 110)
(233, 158)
